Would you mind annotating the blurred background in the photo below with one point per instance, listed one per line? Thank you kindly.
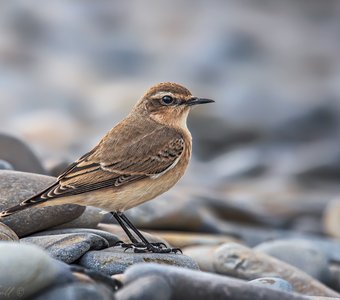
(268, 149)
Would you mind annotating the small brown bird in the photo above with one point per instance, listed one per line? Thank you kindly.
(140, 158)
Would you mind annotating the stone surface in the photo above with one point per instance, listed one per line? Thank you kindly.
(203, 255)
(299, 254)
(18, 186)
(114, 260)
(190, 284)
(334, 282)
(5, 165)
(68, 247)
(273, 283)
(7, 234)
(19, 155)
(109, 237)
(28, 269)
(77, 291)
(90, 218)
(242, 262)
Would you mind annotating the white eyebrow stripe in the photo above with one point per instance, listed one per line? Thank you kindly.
(161, 94)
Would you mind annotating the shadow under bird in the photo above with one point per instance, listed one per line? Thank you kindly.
(140, 158)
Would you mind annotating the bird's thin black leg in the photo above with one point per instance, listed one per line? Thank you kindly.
(127, 231)
(153, 247)
(133, 228)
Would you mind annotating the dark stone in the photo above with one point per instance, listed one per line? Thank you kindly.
(114, 260)
(18, 186)
(193, 284)
(7, 234)
(334, 282)
(68, 247)
(109, 237)
(19, 155)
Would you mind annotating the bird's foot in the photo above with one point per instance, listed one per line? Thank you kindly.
(150, 247)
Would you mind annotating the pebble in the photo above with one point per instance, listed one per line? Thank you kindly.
(242, 262)
(273, 283)
(7, 234)
(203, 255)
(114, 260)
(109, 237)
(28, 269)
(191, 284)
(299, 254)
(17, 186)
(19, 155)
(68, 247)
(334, 282)
(5, 165)
(77, 291)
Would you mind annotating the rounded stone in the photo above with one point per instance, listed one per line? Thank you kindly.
(114, 260)
(203, 255)
(193, 284)
(5, 165)
(299, 254)
(28, 269)
(7, 234)
(111, 239)
(68, 247)
(19, 155)
(18, 186)
(245, 263)
(273, 283)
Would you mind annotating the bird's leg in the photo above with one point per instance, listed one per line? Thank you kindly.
(152, 247)
(126, 230)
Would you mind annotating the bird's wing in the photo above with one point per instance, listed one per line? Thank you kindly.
(115, 162)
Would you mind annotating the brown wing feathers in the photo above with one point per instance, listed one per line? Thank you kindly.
(104, 167)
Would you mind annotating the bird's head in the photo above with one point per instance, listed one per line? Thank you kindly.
(168, 103)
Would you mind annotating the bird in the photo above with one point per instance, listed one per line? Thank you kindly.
(141, 157)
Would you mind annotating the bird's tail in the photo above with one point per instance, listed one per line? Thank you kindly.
(30, 202)
(12, 210)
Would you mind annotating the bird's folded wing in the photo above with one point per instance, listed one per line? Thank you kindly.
(115, 163)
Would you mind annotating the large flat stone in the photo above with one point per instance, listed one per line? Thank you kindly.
(114, 260)
(18, 186)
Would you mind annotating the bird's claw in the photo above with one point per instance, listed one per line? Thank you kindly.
(151, 247)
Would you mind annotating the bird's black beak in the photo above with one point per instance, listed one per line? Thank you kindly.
(195, 101)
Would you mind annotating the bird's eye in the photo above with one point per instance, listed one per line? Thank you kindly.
(167, 100)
